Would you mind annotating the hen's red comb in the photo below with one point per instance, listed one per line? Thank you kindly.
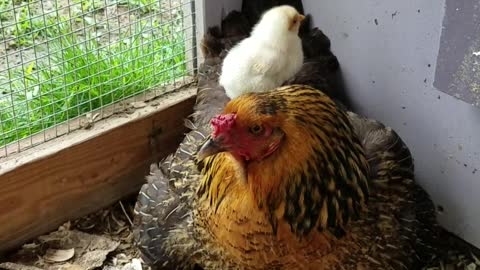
(222, 123)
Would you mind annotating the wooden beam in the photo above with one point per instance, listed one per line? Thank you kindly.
(79, 173)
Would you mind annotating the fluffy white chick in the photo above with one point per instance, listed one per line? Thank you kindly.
(269, 57)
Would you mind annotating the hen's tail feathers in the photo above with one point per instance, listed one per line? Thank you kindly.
(211, 97)
(254, 9)
(216, 43)
(211, 44)
(321, 68)
(235, 24)
(314, 42)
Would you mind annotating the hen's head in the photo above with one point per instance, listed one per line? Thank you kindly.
(248, 135)
(254, 126)
(279, 20)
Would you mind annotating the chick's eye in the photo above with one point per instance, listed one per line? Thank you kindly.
(294, 21)
(257, 129)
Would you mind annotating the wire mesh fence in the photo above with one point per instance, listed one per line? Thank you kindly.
(61, 60)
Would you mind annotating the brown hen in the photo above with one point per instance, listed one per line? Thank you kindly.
(285, 184)
(289, 179)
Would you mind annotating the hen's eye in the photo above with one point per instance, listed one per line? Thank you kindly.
(257, 129)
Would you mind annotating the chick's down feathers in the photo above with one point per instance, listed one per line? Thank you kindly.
(338, 192)
(267, 58)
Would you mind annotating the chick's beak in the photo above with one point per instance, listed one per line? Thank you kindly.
(300, 17)
(209, 148)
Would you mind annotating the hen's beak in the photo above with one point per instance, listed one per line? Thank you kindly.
(209, 148)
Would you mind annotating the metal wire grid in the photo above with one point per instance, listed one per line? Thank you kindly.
(63, 59)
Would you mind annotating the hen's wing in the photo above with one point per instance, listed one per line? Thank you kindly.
(391, 162)
(164, 205)
(320, 66)
(392, 168)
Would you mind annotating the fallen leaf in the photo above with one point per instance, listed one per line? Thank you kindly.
(59, 255)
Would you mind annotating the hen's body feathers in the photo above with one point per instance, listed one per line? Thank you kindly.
(223, 227)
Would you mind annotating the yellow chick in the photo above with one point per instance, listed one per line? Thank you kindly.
(270, 56)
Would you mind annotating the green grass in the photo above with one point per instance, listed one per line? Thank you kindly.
(83, 76)
(5, 6)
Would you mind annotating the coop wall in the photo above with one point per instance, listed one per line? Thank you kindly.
(402, 63)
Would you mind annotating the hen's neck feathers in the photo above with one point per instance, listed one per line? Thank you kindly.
(318, 178)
